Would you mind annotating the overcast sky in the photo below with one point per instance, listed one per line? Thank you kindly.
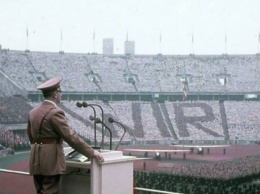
(166, 26)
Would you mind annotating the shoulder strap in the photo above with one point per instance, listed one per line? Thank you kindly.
(39, 130)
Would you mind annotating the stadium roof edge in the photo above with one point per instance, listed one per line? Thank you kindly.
(140, 55)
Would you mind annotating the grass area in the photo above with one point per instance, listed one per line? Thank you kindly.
(7, 161)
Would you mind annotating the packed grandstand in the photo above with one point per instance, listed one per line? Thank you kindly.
(160, 99)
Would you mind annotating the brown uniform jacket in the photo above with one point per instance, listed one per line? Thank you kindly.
(49, 159)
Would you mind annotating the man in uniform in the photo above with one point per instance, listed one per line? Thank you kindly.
(47, 128)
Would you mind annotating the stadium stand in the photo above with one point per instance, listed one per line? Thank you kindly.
(148, 120)
(154, 75)
(206, 72)
(192, 121)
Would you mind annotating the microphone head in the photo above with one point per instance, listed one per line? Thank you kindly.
(84, 104)
(91, 118)
(78, 104)
(97, 120)
(111, 120)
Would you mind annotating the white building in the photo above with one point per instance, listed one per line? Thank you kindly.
(108, 46)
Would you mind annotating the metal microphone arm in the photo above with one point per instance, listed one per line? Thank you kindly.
(84, 104)
(111, 120)
(102, 119)
(97, 120)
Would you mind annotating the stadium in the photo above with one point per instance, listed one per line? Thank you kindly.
(204, 104)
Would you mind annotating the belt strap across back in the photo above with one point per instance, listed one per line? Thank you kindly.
(46, 140)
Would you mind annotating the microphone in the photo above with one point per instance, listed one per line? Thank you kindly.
(78, 104)
(97, 120)
(111, 120)
(85, 104)
(91, 118)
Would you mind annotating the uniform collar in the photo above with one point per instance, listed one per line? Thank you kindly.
(51, 102)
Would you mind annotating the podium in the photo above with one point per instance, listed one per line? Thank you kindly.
(84, 176)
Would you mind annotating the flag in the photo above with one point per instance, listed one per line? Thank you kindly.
(27, 33)
(192, 38)
(94, 35)
(126, 36)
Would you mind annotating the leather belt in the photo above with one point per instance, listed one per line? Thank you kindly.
(46, 140)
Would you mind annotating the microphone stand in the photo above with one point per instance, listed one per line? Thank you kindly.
(111, 120)
(97, 120)
(84, 104)
(102, 119)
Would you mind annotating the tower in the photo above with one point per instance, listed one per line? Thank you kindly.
(108, 46)
(129, 47)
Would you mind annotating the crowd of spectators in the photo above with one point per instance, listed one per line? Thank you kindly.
(18, 68)
(190, 121)
(196, 120)
(241, 73)
(6, 137)
(14, 140)
(13, 110)
(147, 121)
(153, 75)
(243, 120)
(160, 120)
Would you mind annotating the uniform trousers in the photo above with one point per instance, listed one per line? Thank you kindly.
(46, 184)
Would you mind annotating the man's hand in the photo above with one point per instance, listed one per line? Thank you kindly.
(98, 156)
